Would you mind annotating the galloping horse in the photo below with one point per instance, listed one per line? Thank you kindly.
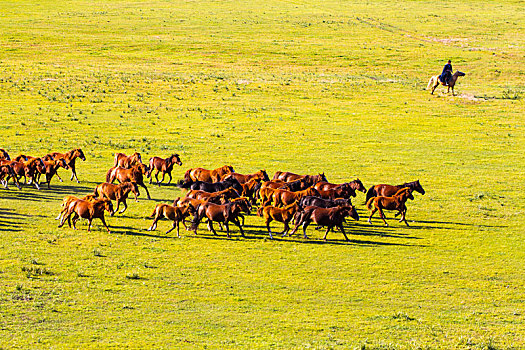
(201, 174)
(170, 212)
(390, 190)
(70, 199)
(50, 169)
(163, 165)
(125, 161)
(435, 81)
(70, 158)
(356, 185)
(227, 194)
(223, 213)
(284, 215)
(6, 172)
(27, 169)
(134, 174)
(260, 175)
(287, 176)
(87, 210)
(329, 217)
(117, 193)
(395, 202)
(213, 187)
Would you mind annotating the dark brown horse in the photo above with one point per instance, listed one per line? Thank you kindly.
(329, 217)
(341, 191)
(284, 215)
(261, 175)
(4, 154)
(125, 161)
(70, 158)
(201, 174)
(250, 188)
(390, 190)
(227, 194)
(287, 176)
(87, 210)
(134, 174)
(117, 193)
(164, 166)
(170, 212)
(395, 202)
(224, 213)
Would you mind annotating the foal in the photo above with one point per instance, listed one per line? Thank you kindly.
(396, 202)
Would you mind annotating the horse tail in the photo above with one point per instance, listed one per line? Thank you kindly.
(150, 170)
(154, 212)
(369, 203)
(116, 160)
(108, 174)
(371, 193)
(430, 82)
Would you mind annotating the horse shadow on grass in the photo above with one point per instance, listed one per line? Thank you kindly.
(11, 221)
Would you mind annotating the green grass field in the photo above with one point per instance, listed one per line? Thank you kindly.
(302, 86)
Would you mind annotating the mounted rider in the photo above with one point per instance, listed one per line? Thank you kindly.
(446, 75)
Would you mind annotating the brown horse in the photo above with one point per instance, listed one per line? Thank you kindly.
(329, 217)
(341, 191)
(261, 175)
(356, 185)
(283, 198)
(26, 169)
(222, 213)
(117, 193)
(395, 202)
(170, 212)
(201, 174)
(389, 190)
(284, 215)
(435, 81)
(50, 168)
(134, 174)
(227, 194)
(165, 166)
(4, 154)
(6, 172)
(70, 158)
(70, 199)
(125, 161)
(249, 189)
(87, 210)
(287, 176)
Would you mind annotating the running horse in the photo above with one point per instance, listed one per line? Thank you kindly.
(4, 154)
(70, 158)
(201, 174)
(164, 166)
(329, 217)
(134, 174)
(125, 161)
(395, 202)
(260, 175)
(435, 81)
(87, 210)
(287, 176)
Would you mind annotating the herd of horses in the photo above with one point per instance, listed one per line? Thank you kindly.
(220, 196)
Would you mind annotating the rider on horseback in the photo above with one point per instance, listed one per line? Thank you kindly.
(446, 74)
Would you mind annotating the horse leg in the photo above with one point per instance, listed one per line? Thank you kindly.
(268, 220)
(172, 227)
(157, 177)
(153, 226)
(74, 220)
(370, 217)
(74, 173)
(169, 174)
(305, 225)
(227, 229)
(286, 228)
(147, 192)
(238, 223)
(326, 233)
(403, 218)
(104, 222)
(59, 178)
(125, 206)
(343, 231)
(162, 180)
(210, 228)
(382, 215)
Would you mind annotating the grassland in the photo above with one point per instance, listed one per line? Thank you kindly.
(302, 86)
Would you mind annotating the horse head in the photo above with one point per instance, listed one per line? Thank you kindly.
(264, 175)
(143, 168)
(358, 185)
(459, 74)
(350, 210)
(5, 155)
(418, 187)
(78, 153)
(177, 159)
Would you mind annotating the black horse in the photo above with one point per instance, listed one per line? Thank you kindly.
(212, 187)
